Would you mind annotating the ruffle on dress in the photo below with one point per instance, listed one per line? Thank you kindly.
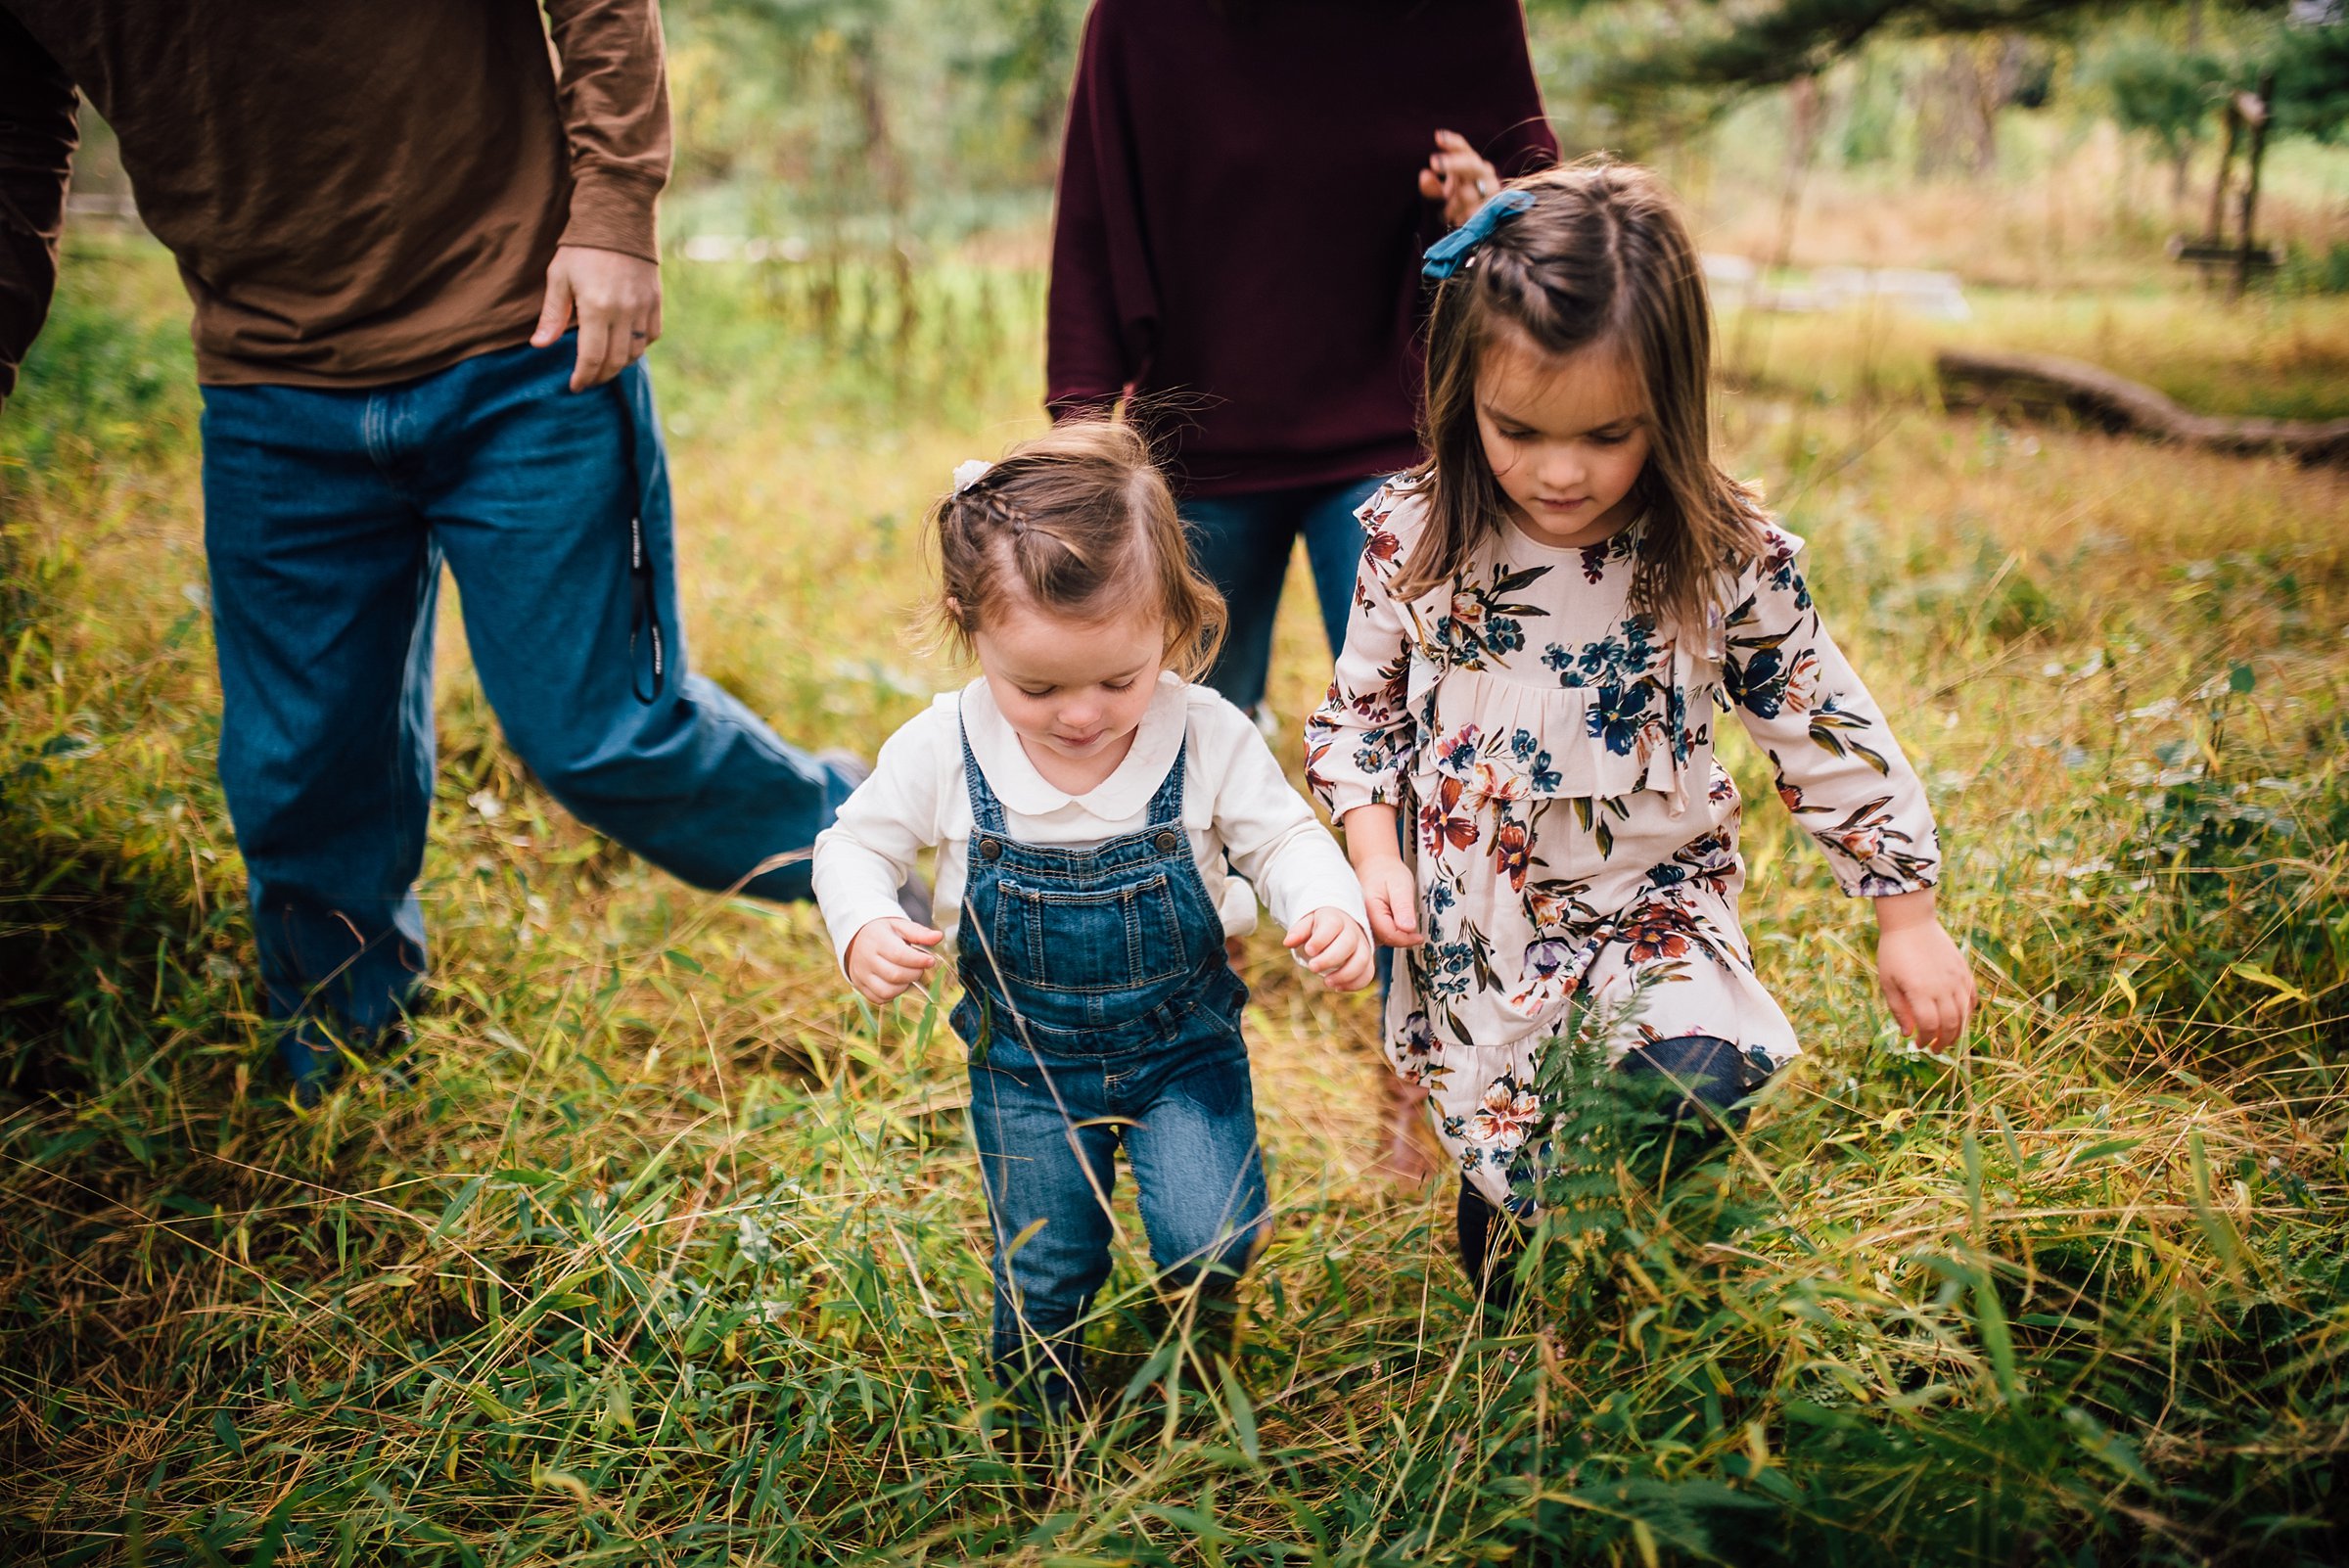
(1476, 716)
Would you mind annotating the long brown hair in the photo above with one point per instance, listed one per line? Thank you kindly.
(1601, 256)
(1080, 522)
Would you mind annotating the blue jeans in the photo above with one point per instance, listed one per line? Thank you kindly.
(1100, 1010)
(1244, 542)
(326, 517)
(1048, 1129)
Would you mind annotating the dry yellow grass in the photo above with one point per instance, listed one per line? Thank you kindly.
(2066, 1290)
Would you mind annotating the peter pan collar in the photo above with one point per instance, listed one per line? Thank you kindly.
(1121, 796)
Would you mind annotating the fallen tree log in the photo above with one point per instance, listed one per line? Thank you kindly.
(2044, 384)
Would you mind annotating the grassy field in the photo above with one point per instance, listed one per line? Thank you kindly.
(669, 1253)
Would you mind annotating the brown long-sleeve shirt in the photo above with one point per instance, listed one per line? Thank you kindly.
(357, 193)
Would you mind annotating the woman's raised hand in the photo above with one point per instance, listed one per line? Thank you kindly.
(1457, 175)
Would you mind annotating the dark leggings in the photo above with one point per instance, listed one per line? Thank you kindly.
(1711, 1077)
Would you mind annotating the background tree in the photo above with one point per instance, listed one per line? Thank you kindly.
(1712, 49)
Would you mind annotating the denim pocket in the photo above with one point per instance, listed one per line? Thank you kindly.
(1091, 942)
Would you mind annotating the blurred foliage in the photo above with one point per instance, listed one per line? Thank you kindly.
(869, 119)
(2166, 78)
(2158, 89)
(1720, 48)
(1677, 62)
(855, 126)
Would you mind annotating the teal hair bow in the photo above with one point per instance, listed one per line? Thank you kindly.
(1449, 253)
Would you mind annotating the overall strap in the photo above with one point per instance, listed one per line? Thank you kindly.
(1165, 806)
(986, 810)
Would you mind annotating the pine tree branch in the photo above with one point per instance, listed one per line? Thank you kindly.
(1802, 37)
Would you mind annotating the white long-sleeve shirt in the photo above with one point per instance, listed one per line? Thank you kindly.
(1235, 804)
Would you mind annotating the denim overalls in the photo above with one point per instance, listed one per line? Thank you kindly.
(1099, 1008)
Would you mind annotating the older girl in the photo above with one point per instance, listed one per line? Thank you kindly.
(1549, 615)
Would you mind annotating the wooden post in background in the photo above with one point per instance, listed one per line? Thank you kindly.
(2213, 231)
(2259, 111)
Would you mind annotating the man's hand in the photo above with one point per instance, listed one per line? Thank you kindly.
(616, 302)
(888, 957)
(1334, 948)
(1458, 176)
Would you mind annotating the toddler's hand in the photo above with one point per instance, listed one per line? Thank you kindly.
(1392, 894)
(1334, 948)
(887, 957)
(1926, 981)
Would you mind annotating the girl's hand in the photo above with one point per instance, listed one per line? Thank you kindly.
(1457, 175)
(1388, 890)
(888, 957)
(1334, 948)
(1926, 981)
(1391, 894)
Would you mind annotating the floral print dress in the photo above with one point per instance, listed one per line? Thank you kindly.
(1573, 834)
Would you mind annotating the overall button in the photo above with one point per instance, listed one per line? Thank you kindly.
(991, 848)
(1166, 841)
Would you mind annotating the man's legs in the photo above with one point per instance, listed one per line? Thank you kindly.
(323, 585)
(530, 491)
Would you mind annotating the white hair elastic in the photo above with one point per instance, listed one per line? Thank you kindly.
(970, 473)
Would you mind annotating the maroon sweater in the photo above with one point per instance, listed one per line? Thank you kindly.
(1239, 227)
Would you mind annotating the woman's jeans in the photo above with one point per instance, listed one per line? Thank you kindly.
(1244, 542)
(328, 514)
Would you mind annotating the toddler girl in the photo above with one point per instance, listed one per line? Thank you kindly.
(1086, 800)
(1550, 613)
